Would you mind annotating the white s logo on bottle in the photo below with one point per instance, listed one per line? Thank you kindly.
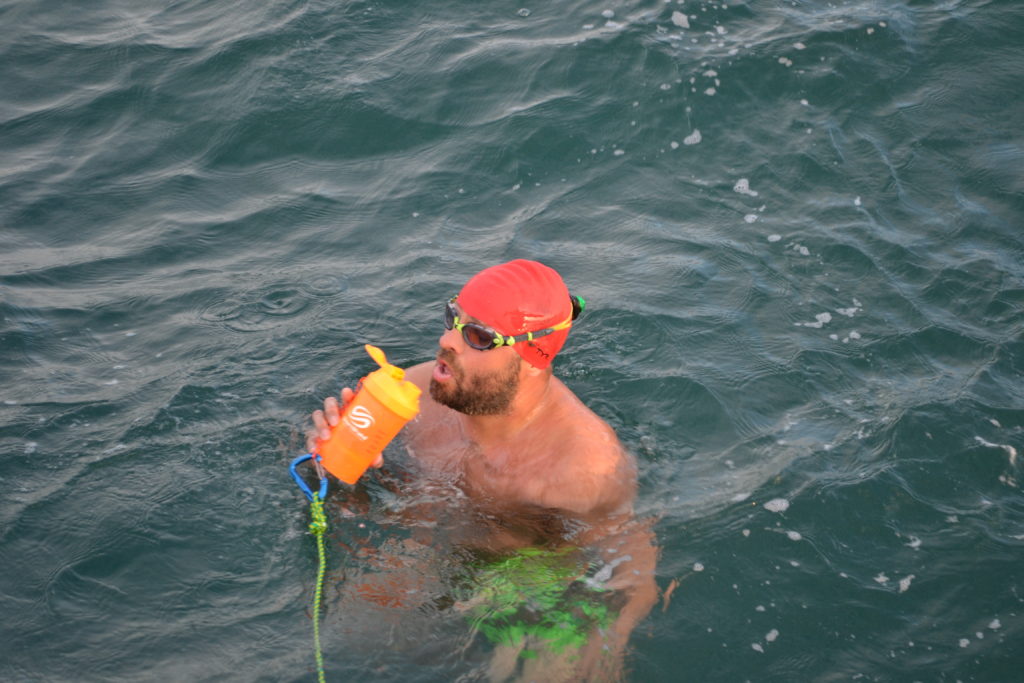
(360, 417)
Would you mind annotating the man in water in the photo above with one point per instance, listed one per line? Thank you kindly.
(530, 456)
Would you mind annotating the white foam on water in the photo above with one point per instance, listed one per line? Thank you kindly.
(608, 14)
(905, 583)
(759, 608)
(801, 249)
(772, 635)
(964, 642)
(742, 186)
(915, 542)
(30, 447)
(856, 202)
(995, 624)
(786, 61)
(9, 402)
(881, 578)
(852, 310)
(805, 103)
(774, 238)
(710, 73)
(819, 321)
(746, 533)
(777, 505)
(871, 29)
(1010, 450)
(757, 646)
(794, 535)
(740, 497)
(799, 46)
(605, 572)
(995, 422)
(619, 152)
(750, 217)
(710, 92)
(674, 144)
(523, 12)
(698, 567)
(680, 20)
(693, 138)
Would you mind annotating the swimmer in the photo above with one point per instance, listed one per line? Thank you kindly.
(522, 446)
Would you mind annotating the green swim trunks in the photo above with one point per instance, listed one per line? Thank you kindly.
(537, 596)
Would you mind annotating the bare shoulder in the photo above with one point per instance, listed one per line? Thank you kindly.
(432, 414)
(592, 473)
(420, 374)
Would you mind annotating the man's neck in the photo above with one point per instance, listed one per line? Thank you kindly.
(534, 397)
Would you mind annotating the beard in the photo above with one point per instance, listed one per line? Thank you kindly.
(488, 394)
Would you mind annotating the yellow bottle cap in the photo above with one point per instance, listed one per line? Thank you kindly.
(388, 386)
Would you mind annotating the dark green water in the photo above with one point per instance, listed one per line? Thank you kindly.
(206, 208)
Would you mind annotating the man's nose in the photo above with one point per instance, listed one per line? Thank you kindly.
(452, 339)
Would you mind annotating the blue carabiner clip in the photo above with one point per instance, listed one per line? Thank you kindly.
(302, 483)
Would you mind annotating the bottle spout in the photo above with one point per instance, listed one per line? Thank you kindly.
(378, 356)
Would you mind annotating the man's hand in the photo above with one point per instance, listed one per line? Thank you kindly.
(325, 420)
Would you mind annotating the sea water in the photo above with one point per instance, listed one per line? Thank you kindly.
(797, 226)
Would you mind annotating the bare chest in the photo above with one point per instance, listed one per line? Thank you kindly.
(502, 475)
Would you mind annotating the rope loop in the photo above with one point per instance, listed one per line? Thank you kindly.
(319, 524)
(318, 527)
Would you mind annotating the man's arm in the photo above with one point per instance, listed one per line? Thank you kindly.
(599, 489)
(629, 551)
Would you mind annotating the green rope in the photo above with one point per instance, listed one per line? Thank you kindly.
(319, 527)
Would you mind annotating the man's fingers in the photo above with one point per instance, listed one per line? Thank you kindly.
(321, 426)
(324, 420)
(331, 410)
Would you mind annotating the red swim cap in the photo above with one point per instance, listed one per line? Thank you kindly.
(521, 296)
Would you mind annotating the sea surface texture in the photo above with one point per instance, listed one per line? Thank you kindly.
(799, 228)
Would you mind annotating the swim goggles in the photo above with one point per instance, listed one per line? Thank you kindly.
(482, 338)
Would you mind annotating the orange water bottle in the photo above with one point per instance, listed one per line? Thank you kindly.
(384, 403)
